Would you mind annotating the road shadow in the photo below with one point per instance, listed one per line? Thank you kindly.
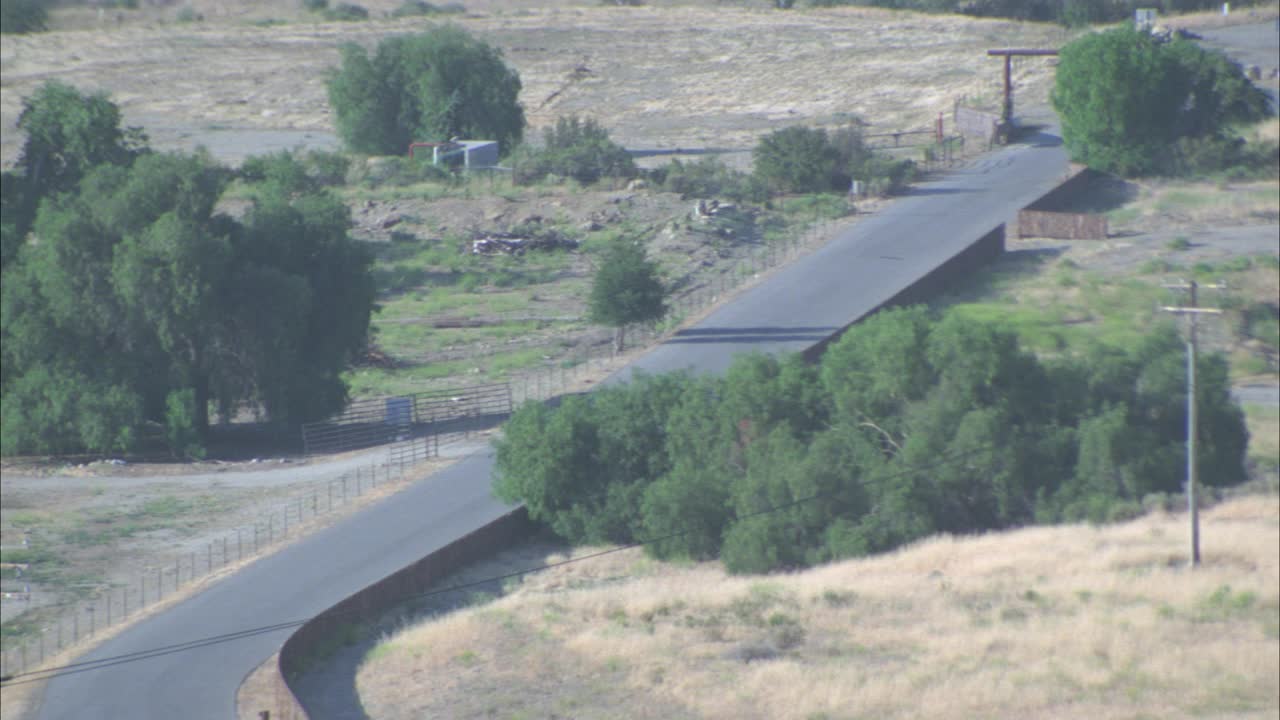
(925, 191)
(328, 689)
(1035, 135)
(741, 335)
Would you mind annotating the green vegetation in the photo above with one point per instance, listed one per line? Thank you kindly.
(433, 86)
(808, 160)
(574, 148)
(911, 426)
(23, 16)
(626, 289)
(412, 8)
(141, 304)
(709, 178)
(1135, 105)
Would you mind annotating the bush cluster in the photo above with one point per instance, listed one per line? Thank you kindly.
(23, 16)
(416, 8)
(708, 178)
(910, 426)
(298, 172)
(577, 148)
(806, 160)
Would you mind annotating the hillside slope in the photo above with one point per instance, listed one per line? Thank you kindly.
(1046, 622)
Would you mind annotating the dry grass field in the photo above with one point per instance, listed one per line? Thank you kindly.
(686, 76)
(1049, 622)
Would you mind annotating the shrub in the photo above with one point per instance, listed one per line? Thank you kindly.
(708, 178)
(795, 160)
(23, 16)
(806, 160)
(346, 12)
(295, 172)
(575, 148)
(411, 8)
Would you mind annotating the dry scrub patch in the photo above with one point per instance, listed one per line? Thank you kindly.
(1050, 622)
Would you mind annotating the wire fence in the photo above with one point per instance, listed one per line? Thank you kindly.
(381, 421)
(436, 427)
(162, 579)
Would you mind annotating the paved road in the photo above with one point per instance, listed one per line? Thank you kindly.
(794, 308)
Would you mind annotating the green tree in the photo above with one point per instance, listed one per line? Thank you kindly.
(67, 133)
(626, 289)
(141, 303)
(436, 85)
(23, 16)
(1125, 98)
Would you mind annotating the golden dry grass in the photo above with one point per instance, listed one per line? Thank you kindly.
(686, 76)
(1045, 622)
(1187, 205)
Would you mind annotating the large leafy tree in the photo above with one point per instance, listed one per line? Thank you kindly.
(626, 289)
(432, 86)
(136, 301)
(67, 133)
(913, 425)
(1125, 98)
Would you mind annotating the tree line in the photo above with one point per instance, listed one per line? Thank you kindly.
(132, 300)
(910, 425)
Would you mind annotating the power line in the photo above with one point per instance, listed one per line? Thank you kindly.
(125, 658)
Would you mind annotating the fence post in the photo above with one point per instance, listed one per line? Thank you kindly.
(75, 627)
(93, 619)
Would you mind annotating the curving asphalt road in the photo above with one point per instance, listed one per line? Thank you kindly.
(791, 310)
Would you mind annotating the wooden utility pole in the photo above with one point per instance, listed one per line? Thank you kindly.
(1008, 55)
(1192, 311)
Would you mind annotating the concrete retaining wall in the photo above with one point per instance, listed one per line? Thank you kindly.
(381, 597)
(1046, 217)
(1064, 226)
